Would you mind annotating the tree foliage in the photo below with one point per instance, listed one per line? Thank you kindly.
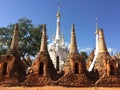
(5, 38)
(84, 55)
(29, 37)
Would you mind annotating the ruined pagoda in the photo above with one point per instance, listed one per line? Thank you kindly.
(73, 62)
(102, 68)
(105, 66)
(103, 57)
(73, 67)
(42, 70)
(11, 66)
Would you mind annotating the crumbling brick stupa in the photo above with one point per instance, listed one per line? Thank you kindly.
(73, 67)
(42, 70)
(105, 67)
(12, 70)
(108, 68)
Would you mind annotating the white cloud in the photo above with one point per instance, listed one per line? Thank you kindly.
(88, 49)
(112, 51)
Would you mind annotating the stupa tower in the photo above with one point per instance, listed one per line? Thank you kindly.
(73, 62)
(73, 44)
(57, 49)
(102, 45)
(11, 64)
(74, 67)
(43, 46)
(14, 48)
(102, 57)
(96, 48)
(43, 64)
(57, 37)
(43, 69)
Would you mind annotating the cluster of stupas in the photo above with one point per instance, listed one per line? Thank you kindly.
(99, 70)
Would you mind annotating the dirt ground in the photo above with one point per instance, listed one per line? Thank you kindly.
(59, 88)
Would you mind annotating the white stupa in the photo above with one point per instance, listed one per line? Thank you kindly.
(58, 51)
(96, 48)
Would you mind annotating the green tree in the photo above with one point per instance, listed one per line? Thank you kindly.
(5, 38)
(84, 55)
(29, 36)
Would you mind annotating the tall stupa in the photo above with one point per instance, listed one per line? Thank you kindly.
(101, 54)
(58, 51)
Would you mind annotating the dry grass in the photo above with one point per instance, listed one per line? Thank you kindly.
(57, 88)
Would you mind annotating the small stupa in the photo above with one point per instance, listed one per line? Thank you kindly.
(73, 62)
(103, 60)
(43, 71)
(73, 67)
(105, 65)
(103, 68)
(12, 70)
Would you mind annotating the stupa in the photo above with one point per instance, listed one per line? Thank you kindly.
(42, 70)
(12, 70)
(57, 49)
(73, 67)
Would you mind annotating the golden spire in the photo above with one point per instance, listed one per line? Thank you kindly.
(43, 46)
(14, 44)
(102, 44)
(73, 44)
(96, 26)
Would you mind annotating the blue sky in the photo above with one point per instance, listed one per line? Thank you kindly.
(80, 12)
